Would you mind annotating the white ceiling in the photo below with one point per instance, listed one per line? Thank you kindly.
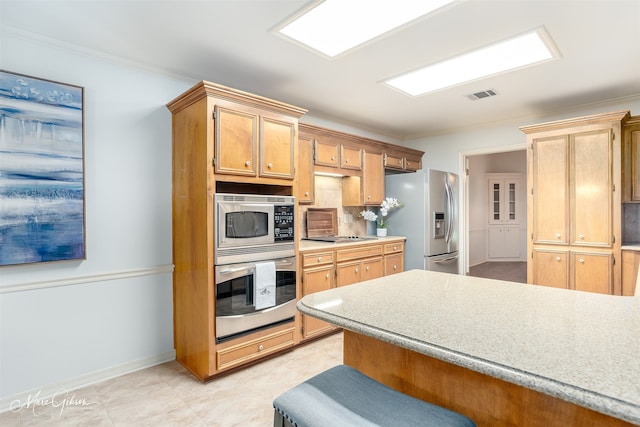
(232, 43)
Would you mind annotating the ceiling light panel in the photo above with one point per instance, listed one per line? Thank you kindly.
(508, 55)
(332, 27)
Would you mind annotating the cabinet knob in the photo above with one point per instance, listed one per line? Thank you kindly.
(260, 347)
(395, 267)
(332, 158)
(581, 260)
(558, 235)
(306, 193)
(327, 276)
(356, 269)
(581, 236)
(368, 197)
(558, 258)
(367, 268)
(270, 165)
(395, 248)
(247, 163)
(399, 162)
(346, 160)
(319, 258)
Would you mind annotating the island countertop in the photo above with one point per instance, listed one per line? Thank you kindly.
(580, 347)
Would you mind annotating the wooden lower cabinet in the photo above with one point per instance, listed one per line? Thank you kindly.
(630, 267)
(343, 266)
(578, 270)
(317, 275)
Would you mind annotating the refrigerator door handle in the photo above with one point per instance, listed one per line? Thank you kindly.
(449, 213)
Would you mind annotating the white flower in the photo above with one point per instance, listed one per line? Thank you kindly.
(369, 215)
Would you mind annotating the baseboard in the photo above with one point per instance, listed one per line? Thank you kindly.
(47, 392)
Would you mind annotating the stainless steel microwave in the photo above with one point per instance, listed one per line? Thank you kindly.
(251, 227)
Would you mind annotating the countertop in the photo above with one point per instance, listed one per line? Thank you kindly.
(630, 247)
(578, 346)
(310, 245)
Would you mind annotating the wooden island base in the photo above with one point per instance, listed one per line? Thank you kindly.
(489, 401)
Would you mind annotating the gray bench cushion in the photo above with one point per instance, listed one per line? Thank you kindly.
(342, 396)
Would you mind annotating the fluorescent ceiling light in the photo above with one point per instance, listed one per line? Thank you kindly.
(335, 26)
(508, 55)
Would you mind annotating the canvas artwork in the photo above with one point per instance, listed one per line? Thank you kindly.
(42, 212)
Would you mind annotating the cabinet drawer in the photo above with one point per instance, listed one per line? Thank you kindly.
(359, 252)
(391, 248)
(317, 258)
(242, 353)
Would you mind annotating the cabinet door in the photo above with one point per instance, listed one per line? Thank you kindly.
(326, 153)
(550, 182)
(393, 161)
(306, 178)
(634, 137)
(277, 145)
(551, 268)
(236, 141)
(350, 158)
(592, 272)
(630, 267)
(372, 268)
(591, 189)
(393, 264)
(348, 273)
(504, 201)
(316, 280)
(373, 179)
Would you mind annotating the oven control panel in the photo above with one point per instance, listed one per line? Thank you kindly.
(284, 223)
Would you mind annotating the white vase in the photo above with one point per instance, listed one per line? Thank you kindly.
(382, 232)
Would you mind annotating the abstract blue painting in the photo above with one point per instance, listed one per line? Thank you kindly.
(42, 212)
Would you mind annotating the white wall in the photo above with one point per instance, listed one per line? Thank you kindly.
(70, 323)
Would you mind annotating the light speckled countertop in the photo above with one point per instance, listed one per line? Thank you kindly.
(631, 247)
(578, 346)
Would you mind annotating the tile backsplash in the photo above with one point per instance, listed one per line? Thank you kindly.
(328, 194)
(631, 223)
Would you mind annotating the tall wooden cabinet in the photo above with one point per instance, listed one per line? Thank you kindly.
(232, 140)
(574, 187)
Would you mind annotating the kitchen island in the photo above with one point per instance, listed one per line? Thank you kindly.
(502, 353)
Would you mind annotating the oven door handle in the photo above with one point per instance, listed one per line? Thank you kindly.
(231, 270)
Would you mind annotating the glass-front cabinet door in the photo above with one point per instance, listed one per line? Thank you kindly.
(504, 199)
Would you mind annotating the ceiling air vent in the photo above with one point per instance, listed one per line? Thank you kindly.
(484, 94)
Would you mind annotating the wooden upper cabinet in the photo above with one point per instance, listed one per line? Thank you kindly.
(326, 153)
(412, 163)
(393, 161)
(236, 141)
(632, 160)
(373, 179)
(242, 134)
(304, 174)
(591, 188)
(350, 157)
(550, 188)
(368, 189)
(277, 145)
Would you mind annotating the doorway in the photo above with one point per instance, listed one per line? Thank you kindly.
(495, 213)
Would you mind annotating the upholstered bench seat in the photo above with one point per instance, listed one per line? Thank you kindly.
(342, 396)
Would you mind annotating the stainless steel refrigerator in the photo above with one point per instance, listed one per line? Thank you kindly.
(429, 218)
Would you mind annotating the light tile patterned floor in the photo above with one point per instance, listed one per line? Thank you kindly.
(168, 395)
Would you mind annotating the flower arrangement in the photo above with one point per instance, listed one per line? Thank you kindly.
(385, 207)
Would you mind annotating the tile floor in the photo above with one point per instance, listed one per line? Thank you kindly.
(511, 271)
(168, 395)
